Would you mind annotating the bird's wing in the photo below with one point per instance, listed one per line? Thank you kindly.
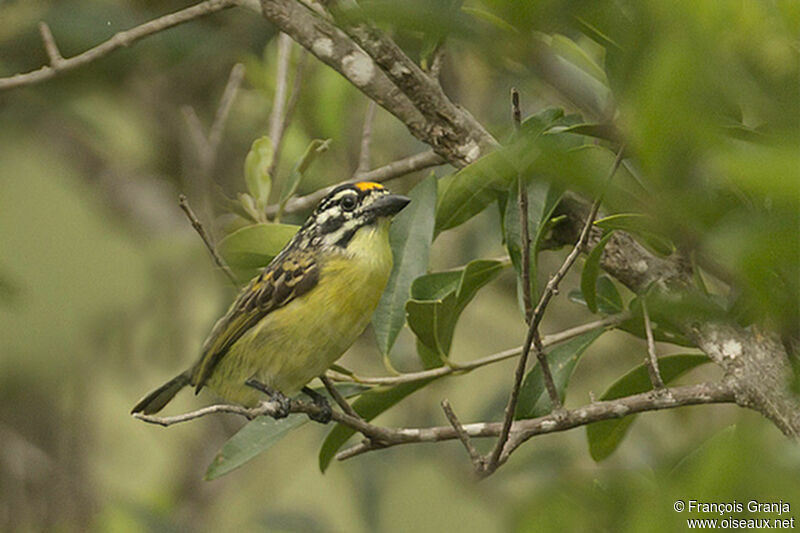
(287, 277)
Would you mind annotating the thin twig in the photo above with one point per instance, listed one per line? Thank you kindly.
(401, 167)
(184, 204)
(279, 100)
(297, 85)
(50, 45)
(377, 435)
(652, 358)
(538, 313)
(366, 138)
(223, 111)
(548, 340)
(525, 237)
(395, 169)
(118, 40)
(337, 397)
(474, 456)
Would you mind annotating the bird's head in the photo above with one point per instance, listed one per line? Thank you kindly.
(348, 208)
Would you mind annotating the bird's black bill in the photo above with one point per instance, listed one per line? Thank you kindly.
(388, 205)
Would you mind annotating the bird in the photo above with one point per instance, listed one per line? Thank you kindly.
(294, 319)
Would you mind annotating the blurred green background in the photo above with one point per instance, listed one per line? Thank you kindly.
(105, 290)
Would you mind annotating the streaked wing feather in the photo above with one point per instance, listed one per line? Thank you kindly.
(287, 277)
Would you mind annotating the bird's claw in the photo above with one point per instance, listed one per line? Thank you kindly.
(325, 412)
(282, 403)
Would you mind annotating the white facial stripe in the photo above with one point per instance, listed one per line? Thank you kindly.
(326, 215)
(350, 225)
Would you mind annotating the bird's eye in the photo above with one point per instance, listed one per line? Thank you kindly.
(348, 203)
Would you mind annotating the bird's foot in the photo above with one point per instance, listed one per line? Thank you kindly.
(283, 404)
(324, 415)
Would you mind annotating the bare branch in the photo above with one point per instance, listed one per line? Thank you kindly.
(469, 139)
(366, 137)
(755, 355)
(393, 170)
(652, 358)
(522, 430)
(549, 340)
(50, 45)
(118, 40)
(460, 143)
(533, 332)
(376, 434)
(184, 204)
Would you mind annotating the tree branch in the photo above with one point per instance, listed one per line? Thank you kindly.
(460, 143)
(754, 356)
(118, 40)
(522, 430)
(465, 137)
(395, 169)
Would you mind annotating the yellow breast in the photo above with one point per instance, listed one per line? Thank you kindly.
(294, 344)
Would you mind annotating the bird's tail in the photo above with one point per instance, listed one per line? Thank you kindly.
(156, 400)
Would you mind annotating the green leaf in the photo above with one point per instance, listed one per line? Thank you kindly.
(604, 437)
(256, 437)
(565, 160)
(410, 237)
(261, 434)
(256, 175)
(252, 247)
(438, 299)
(248, 204)
(591, 269)
(315, 147)
(468, 192)
(603, 131)
(607, 297)
(533, 398)
(490, 18)
(637, 224)
(569, 50)
(368, 406)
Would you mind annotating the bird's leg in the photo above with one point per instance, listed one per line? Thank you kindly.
(325, 413)
(284, 404)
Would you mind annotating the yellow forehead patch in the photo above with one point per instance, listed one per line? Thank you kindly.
(368, 185)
